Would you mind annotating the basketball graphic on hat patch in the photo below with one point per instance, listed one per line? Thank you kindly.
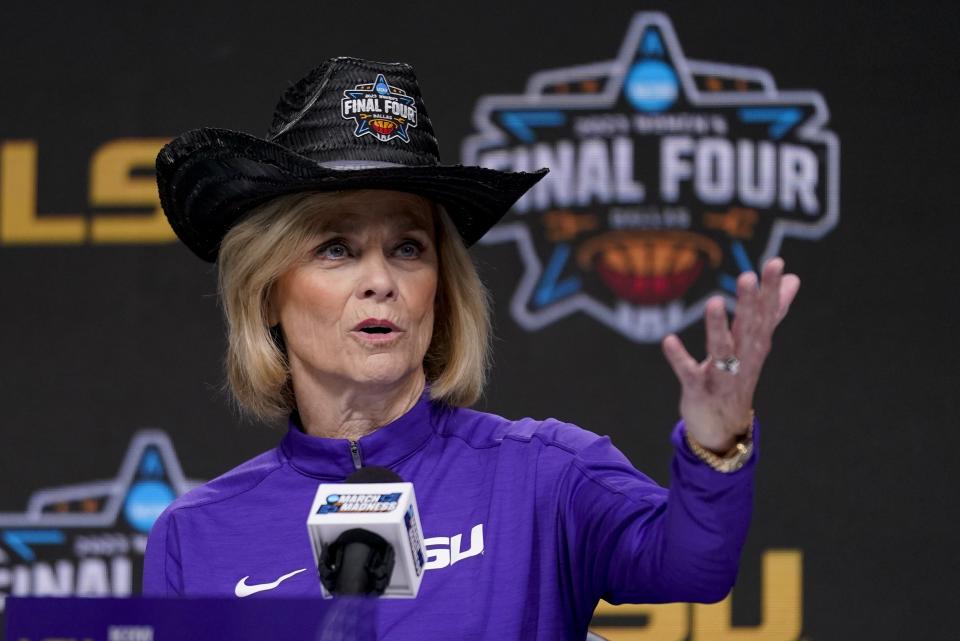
(380, 110)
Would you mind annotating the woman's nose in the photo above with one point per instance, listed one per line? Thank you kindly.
(377, 280)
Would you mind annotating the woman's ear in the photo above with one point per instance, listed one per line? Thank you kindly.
(273, 319)
(276, 335)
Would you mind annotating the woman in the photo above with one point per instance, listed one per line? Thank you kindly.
(353, 309)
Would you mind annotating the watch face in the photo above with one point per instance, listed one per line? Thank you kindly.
(739, 459)
(730, 463)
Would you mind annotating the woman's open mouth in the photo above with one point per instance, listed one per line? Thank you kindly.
(376, 335)
(376, 330)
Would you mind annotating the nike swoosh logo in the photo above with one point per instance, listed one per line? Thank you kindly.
(243, 589)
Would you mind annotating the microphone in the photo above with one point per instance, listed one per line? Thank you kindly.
(366, 536)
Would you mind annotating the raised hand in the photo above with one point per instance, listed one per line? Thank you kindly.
(717, 394)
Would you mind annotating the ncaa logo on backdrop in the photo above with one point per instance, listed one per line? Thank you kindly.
(88, 539)
(668, 178)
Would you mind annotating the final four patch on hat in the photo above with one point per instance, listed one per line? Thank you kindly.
(379, 110)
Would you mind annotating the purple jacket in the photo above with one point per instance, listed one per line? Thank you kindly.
(527, 523)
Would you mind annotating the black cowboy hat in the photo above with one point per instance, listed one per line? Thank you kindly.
(349, 124)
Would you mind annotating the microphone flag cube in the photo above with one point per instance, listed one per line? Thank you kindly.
(386, 509)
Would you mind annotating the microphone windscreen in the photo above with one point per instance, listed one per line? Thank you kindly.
(374, 474)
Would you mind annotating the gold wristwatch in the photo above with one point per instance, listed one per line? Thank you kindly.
(732, 460)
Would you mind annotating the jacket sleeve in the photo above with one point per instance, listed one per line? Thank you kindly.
(161, 563)
(632, 541)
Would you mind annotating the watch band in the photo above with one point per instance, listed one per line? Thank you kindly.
(730, 461)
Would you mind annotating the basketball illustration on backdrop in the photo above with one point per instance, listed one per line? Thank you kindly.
(669, 177)
(648, 267)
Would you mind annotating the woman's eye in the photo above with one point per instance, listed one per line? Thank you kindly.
(333, 250)
(410, 249)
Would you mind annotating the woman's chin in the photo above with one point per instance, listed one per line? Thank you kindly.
(387, 374)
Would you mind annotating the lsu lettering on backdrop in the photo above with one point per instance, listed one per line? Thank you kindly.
(122, 195)
(781, 612)
(669, 177)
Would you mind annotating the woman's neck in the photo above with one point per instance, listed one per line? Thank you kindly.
(350, 411)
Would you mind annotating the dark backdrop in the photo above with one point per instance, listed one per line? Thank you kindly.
(858, 397)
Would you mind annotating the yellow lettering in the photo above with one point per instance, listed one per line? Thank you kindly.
(782, 608)
(665, 622)
(112, 184)
(19, 222)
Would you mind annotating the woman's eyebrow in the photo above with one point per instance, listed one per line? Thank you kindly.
(344, 225)
(411, 225)
(402, 223)
(411, 220)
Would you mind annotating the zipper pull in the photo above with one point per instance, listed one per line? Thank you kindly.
(355, 454)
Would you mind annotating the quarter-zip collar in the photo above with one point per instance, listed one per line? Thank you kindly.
(335, 457)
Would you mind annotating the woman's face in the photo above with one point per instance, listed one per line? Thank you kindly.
(358, 307)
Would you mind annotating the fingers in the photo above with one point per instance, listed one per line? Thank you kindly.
(684, 366)
(760, 308)
(748, 293)
(769, 300)
(777, 291)
(748, 316)
(788, 291)
(770, 289)
(747, 288)
(720, 343)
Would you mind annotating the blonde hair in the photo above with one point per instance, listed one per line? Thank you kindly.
(271, 239)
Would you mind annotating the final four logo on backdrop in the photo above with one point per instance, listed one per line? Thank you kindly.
(380, 110)
(88, 539)
(668, 178)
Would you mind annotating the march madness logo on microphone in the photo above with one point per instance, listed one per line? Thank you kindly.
(360, 503)
(668, 178)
